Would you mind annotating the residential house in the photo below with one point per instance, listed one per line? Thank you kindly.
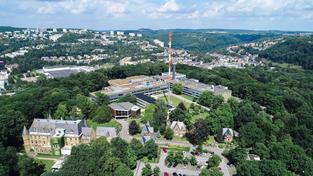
(179, 128)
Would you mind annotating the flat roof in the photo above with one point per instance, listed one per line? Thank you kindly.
(123, 106)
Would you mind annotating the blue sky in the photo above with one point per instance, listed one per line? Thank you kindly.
(159, 14)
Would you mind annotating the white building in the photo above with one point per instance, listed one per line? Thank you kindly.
(158, 42)
(139, 35)
(55, 37)
(54, 30)
(64, 30)
(3, 79)
(120, 33)
(112, 33)
(64, 71)
(132, 34)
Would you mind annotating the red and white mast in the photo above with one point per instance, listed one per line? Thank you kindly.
(170, 34)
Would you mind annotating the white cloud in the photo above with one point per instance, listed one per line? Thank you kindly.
(169, 6)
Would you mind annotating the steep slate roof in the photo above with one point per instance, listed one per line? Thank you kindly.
(123, 106)
(178, 124)
(86, 131)
(147, 128)
(25, 131)
(227, 132)
(48, 126)
(106, 132)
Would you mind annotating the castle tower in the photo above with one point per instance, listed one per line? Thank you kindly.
(26, 140)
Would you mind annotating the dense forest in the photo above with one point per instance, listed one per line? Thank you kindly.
(9, 28)
(298, 51)
(205, 40)
(281, 133)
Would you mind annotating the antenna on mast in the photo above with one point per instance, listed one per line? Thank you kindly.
(170, 35)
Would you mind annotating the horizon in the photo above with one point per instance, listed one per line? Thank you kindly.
(169, 29)
(258, 15)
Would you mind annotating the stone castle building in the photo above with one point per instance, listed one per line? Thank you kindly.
(57, 137)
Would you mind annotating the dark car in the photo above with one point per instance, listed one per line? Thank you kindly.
(166, 174)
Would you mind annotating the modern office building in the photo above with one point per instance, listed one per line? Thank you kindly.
(134, 85)
(57, 137)
(142, 86)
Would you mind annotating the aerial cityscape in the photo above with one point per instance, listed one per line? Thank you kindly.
(156, 88)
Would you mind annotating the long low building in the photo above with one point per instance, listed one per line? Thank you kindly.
(64, 71)
(147, 85)
(57, 137)
(134, 85)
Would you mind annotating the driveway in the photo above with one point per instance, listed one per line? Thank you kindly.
(124, 132)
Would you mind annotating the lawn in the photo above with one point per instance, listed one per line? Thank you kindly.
(202, 115)
(187, 97)
(40, 155)
(47, 163)
(112, 123)
(175, 148)
(174, 100)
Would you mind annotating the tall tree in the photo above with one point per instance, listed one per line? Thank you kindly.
(102, 114)
(159, 116)
(28, 167)
(61, 112)
(199, 132)
(134, 128)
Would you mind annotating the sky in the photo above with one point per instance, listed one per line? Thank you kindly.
(159, 14)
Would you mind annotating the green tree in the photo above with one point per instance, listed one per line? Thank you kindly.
(211, 172)
(199, 132)
(248, 168)
(75, 113)
(136, 145)
(102, 114)
(159, 116)
(151, 149)
(237, 155)
(214, 161)
(28, 167)
(261, 150)
(250, 134)
(134, 128)
(147, 171)
(148, 114)
(193, 160)
(156, 171)
(102, 99)
(123, 170)
(179, 113)
(61, 112)
(177, 88)
(168, 134)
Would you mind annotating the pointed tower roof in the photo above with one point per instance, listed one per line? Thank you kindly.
(25, 131)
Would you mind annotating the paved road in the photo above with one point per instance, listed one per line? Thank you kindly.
(124, 132)
(223, 165)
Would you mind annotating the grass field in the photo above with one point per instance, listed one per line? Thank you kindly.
(199, 116)
(47, 163)
(174, 100)
(112, 123)
(187, 97)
